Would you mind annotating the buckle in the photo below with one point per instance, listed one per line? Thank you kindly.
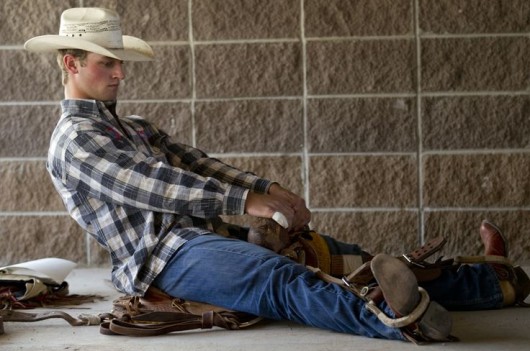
(412, 262)
(346, 282)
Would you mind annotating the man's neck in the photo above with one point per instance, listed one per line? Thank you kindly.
(111, 105)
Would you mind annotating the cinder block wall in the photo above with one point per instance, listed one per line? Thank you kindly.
(397, 120)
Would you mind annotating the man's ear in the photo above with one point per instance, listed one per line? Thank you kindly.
(70, 63)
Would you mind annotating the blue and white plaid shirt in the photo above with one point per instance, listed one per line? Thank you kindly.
(140, 194)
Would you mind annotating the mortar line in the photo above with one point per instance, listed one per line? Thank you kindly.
(33, 213)
(192, 75)
(419, 158)
(467, 152)
(472, 35)
(478, 151)
(317, 209)
(322, 39)
(415, 209)
(24, 159)
(88, 249)
(463, 152)
(305, 151)
(258, 98)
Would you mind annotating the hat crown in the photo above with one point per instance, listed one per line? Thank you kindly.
(97, 25)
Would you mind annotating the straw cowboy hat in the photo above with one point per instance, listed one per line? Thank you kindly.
(95, 30)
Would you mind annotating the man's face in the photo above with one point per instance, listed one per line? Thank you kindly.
(98, 78)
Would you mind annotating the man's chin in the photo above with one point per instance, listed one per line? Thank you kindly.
(109, 97)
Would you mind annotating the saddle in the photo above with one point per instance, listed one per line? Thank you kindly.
(157, 313)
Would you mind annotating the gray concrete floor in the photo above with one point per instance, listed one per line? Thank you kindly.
(507, 329)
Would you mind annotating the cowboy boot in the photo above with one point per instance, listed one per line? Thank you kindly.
(494, 241)
(514, 282)
(420, 320)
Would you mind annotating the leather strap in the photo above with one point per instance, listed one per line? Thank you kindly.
(484, 259)
(415, 259)
(158, 323)
(419, 255)
(16, 316)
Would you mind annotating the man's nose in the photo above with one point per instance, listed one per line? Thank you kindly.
(119, 72)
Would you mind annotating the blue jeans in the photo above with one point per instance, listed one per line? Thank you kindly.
(235, 274)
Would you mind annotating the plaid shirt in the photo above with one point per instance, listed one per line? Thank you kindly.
(137, 192)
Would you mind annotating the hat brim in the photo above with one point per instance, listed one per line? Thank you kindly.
(134, 49)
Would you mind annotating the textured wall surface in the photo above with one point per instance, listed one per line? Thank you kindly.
(397, 120)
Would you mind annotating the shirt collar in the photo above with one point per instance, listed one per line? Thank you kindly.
(85, 108)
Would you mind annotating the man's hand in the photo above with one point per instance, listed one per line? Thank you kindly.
(279, 200)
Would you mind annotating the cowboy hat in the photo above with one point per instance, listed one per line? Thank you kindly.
(95, 30)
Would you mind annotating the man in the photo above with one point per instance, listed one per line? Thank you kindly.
(154, 204)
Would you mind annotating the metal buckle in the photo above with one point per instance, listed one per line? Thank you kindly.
(409, 260)
(365, 290)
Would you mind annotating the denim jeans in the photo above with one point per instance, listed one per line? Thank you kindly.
(235, 274)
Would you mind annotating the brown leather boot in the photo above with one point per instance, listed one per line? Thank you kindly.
(514, 282)
(495, 243)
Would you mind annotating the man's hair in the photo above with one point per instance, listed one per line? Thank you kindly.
(77, 53)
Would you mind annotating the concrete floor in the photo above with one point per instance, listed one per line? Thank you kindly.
(507, 329)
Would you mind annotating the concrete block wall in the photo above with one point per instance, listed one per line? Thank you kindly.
(397, 120)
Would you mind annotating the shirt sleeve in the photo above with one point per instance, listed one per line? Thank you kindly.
(110, 169)
(197, 161)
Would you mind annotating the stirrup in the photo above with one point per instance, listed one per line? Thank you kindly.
(401, 322)
(418, 317)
